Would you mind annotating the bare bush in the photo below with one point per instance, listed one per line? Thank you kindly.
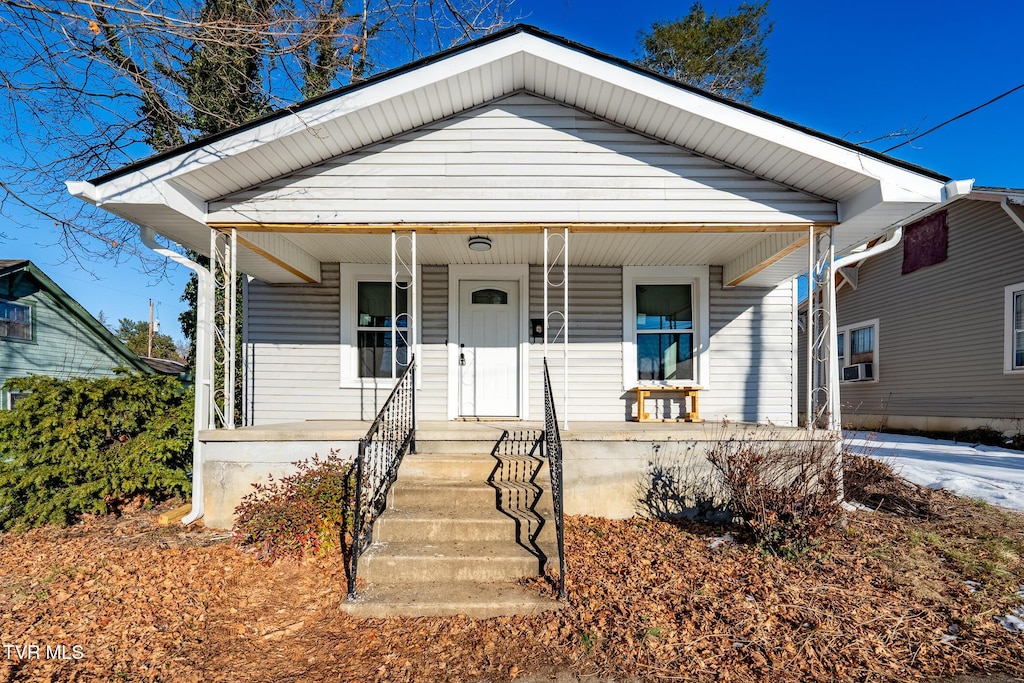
(787, 493)
(875, 484)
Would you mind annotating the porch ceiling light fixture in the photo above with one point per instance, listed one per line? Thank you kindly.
(480, 243)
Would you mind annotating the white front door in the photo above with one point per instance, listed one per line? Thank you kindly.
(488, 348)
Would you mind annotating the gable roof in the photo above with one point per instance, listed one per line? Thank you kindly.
(305, 105)
(12, 267)
(171, 192)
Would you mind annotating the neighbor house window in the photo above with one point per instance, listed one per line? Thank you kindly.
(374, 338)
(664, 332)
(9, 399)
(1014, 317)
(665, 325)
(15, 321)
(857, 348)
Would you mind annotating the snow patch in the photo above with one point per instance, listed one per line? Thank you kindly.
(994, 475)
(1012, 622)
(719, 541)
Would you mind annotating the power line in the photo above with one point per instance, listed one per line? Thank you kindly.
(959, 116)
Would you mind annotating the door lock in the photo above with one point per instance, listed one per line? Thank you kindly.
(462, 355)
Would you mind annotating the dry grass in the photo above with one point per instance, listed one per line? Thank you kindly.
(877, 600)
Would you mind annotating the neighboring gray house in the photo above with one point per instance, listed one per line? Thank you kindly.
(939, 322)
(416, 211)
(43, 331)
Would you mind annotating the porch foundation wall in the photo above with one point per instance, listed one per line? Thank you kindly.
(608, 471)
(232, 467)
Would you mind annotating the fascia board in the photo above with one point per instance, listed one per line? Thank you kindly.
(154, 192)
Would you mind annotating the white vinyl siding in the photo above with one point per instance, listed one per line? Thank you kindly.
(294, 352)
(595, 347)
(751, 354)
(523, 158)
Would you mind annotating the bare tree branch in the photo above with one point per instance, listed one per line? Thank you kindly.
(89, 85)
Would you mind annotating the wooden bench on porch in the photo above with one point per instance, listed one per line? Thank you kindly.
(655, 392)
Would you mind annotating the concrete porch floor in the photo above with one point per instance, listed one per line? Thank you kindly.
(483, 430)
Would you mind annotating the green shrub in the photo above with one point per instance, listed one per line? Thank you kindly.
(301, 514)
(79, 446)
(786, 492)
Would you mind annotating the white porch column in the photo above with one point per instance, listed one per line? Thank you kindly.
(403, 277)
(823, 407)
(556, 275)
(223, 330)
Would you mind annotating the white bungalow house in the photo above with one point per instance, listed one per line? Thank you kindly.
(422, 205)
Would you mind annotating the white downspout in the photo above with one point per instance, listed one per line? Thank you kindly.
(879, 248)
(201, 417)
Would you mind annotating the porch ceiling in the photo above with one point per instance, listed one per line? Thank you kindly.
(621, 249)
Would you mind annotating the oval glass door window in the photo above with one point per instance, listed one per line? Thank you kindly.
(490, 296)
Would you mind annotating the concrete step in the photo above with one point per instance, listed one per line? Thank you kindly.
(432, 526)
(472, 599)
(471, 467)
(476, 561)
(437, 443)
(445, 497)
(447, 466)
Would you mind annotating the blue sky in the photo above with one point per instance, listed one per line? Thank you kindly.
(854, 70)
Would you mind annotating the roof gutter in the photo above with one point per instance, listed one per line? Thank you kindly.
(203, 363)
(83, 190)
(951, 191)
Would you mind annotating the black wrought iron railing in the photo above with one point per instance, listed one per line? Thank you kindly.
(390, 437)
(553, 448)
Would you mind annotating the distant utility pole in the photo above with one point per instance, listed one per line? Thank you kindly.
(149, 353)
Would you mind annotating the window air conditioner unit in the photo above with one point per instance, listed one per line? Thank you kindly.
(858, 372)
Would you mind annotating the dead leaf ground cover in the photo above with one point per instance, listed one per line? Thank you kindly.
(883, 599)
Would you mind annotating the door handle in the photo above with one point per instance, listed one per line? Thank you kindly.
(462, 355)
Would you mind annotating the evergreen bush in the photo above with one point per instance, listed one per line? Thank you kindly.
(76, 446)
